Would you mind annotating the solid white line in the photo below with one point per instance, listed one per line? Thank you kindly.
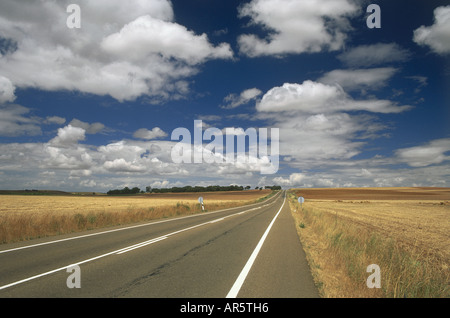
(243, 275)
(119, 251)
(125, 228)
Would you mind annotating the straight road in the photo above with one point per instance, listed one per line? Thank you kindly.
(251, 251)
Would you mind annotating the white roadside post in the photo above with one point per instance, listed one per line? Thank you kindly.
(200, 200)
(301, 200)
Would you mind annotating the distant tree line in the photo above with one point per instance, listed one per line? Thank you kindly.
(213, 188)
(273, 187)
(125, 190)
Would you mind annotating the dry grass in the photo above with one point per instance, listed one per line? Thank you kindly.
(400, 230)
(28, 217)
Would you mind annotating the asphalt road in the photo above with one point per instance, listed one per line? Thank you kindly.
(249, 252)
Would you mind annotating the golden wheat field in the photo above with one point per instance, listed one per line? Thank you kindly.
(24, 217)
(407, 229)
(417, 217)
(84, 204)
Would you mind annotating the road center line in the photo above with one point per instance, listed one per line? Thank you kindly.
(217, 220)
(127, 228)
(119, 251)
(142, 244)
(243, 275)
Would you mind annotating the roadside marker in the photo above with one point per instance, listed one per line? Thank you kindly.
(200, 200)
(301, 200)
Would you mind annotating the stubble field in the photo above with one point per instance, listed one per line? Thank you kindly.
(24, 217)
(405, 229)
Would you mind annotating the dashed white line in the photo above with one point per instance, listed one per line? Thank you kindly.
(143, 244)
(119, 251)
(125, 228)
(217, 220)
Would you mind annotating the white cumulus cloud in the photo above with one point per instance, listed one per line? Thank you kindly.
(321, 124)
(315, 97)
(295, 179)
(6, 90)
(437, 36)
(296, 26)
(121, 165)
(125, 49)
(148, 36)
(68, 136)
(144, 133)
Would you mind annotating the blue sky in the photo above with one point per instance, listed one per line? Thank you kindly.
(93, 108)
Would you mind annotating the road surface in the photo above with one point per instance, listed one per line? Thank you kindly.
(245, 252)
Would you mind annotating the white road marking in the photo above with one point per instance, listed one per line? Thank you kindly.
(119, 251)
(143, 244)
(125, 228)
(217, 220)
(243, 275)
